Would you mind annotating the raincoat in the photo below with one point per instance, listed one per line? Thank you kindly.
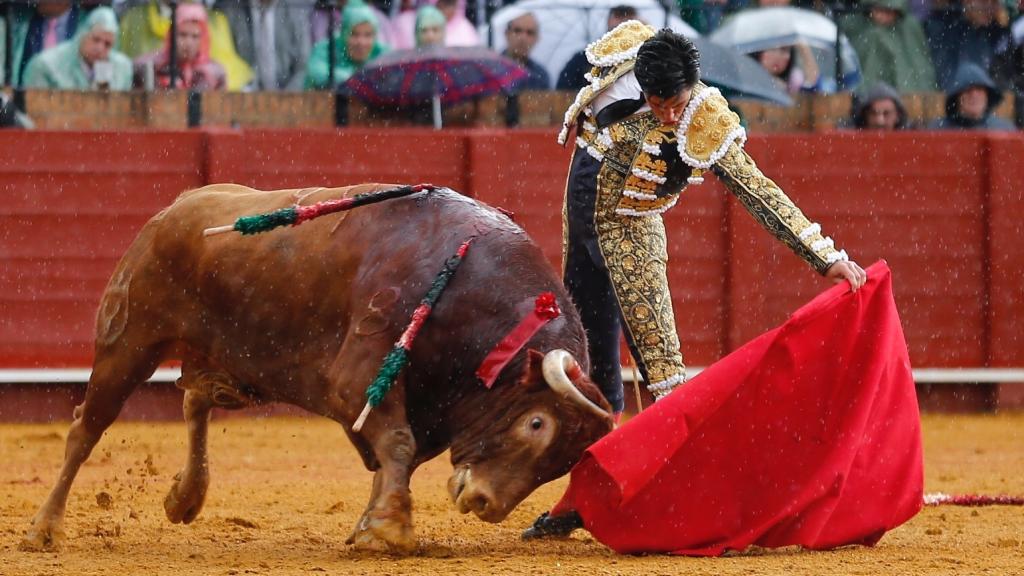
(427, 17)
(968, 75)
(317, 72)
(62, 67)
(897, 54)
(143, 29)
(200, 73)
(880, 91)
(460, 31)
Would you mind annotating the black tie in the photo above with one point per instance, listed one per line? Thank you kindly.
(618, 110)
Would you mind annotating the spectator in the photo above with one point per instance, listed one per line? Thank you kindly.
(706, 15)
(430, 27)
(3, 51)
(959, 33)
(521, 35)
(1008, 67)
(879, 109)
(891, 46)
(195, 69)
(403, 25)
(86, 62)
(144, 28)
(793, 67)
(459, 31)
(386, 30)
(354, 45)
(573, 75)
(273, 37)
(970, 101)
(39, 26)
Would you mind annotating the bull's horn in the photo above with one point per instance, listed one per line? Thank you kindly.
(557, 366)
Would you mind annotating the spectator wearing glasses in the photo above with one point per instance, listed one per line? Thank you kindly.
(521, 36)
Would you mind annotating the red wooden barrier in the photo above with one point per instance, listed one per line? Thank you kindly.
(71, 204)
(927, 203)
(916, 200)
(1006, 233)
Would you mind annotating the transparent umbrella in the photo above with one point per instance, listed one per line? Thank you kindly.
(760, 29)
(567, 26)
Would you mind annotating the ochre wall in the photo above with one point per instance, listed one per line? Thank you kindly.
(943, 208)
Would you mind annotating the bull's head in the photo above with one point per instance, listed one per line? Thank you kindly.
(555, 414)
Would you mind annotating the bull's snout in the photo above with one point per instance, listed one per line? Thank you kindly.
(472, 496)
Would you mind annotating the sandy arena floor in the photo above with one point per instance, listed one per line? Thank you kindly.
(285, 493)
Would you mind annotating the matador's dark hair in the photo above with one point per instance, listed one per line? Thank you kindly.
(666, 64)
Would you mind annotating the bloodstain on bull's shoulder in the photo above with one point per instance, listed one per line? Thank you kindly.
(375, 319)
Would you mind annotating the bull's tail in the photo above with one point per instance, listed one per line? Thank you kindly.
(295, 215)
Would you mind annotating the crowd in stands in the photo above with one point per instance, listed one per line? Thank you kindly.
(972, 50)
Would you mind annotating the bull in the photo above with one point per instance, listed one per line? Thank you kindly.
(304, 316)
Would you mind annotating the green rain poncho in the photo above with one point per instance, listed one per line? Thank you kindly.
(428, 16)
(62, 67)
(897, 54)
(354, 14)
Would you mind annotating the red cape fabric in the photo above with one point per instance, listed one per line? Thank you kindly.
(808, 435)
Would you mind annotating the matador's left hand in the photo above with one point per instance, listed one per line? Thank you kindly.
(849, 271)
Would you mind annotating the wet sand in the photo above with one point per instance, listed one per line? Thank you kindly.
(285, 493)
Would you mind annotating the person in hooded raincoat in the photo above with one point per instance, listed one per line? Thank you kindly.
(430, 27)
(880, 108)
(86, 62)
(144, 27)
(195, 69)
(970, 101)
(355, 44)
(891, 46)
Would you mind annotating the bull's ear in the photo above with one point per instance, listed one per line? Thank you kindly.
(533, 376)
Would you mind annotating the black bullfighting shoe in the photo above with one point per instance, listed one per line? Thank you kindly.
(548, 526)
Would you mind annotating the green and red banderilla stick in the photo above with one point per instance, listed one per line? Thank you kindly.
(398, 357)
(295, 215)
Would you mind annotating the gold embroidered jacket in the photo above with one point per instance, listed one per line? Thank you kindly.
(657, 162)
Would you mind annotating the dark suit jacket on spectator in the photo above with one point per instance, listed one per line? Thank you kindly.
(537, 77)
(952, 40)
(572, 75)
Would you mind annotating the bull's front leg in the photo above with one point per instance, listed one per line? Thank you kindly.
(386, 525)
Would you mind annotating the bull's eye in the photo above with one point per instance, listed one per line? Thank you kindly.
(536, 424)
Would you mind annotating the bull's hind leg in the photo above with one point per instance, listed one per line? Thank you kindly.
(205, 388)
(115, 375)
(186, 496)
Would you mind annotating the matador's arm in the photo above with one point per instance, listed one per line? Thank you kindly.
(770, 206)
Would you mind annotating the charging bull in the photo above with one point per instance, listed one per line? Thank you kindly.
(304, 315)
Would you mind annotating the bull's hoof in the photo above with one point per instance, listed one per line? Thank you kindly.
(185, 499)
(43, 537)
(378, 533)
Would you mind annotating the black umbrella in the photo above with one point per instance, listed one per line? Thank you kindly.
(725, 67)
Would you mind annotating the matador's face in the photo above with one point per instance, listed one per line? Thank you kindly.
(670, 110)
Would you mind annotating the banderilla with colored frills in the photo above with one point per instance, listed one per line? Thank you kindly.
(295, 215)
(398, 357)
